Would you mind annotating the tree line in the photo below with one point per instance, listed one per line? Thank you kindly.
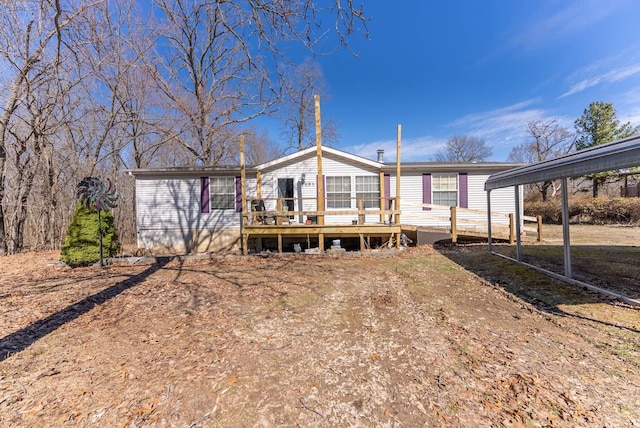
(547, 139)
(94, 87)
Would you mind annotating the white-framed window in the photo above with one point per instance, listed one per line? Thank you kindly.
(223, 193)
(339, 192)
(368, 188)
(445, 189)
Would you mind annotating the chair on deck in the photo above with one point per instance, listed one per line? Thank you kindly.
(257, 206)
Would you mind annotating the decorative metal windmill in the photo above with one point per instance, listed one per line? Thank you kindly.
(92, 192)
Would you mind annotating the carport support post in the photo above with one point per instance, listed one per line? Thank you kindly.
(566, 243)
(489, 221)
(518, 236)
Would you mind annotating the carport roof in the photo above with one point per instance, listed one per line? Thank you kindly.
(619, 154)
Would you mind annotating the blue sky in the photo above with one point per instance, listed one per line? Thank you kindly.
(483, 68)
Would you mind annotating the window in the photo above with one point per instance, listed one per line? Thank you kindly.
(339, 192)
(445, 189)
(368, 188)
(223, 193)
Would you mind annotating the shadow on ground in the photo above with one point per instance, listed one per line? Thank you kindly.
(612, 268)
(25, 337)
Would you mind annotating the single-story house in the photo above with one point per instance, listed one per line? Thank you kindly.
(198, 209)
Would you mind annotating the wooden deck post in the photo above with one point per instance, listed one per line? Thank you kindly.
(512, 229)
(360, 210)
(320, 179)
(243, 197)
(383, 204)
(539, 219)
(362, 246)
(243, 187)
(397, 216)
(454, 225)
(259, 185)
(279, 212)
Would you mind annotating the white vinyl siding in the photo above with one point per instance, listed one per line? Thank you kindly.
(368, 188)
(339, 192)
(168, 212)
(223, 193)
(332, 166)
(445, 189)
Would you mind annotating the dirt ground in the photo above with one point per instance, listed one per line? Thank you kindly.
(427, 337)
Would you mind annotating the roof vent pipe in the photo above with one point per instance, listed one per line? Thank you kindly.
(380, 155)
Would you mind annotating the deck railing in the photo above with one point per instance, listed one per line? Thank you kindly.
(461, 220)
(282, 210)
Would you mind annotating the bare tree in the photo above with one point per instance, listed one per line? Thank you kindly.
(547, 140)
(33, 47)
(91, 87)
(217, 62)
(299, 84)
(464, 148)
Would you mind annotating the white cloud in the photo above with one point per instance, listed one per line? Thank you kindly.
(499, 127)
(597, 78)
(411, 149)
(549, 26)
(575, 17)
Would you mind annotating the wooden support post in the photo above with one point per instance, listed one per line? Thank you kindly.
(397, 216)
(512, 229)
(321, 242)
(259, 185)
(243, 187)
(280, 242)
(361, 212)
(320, 181)
(362, 246)
(539, 219)
(279, 212)
(383, 204)
(454, 225)
(243, 197)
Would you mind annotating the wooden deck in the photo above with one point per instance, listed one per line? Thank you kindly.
(459, 225)
(306, 231)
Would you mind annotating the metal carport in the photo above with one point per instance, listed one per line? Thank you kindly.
(616, 155)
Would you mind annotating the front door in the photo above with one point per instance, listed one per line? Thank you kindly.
(285, 190)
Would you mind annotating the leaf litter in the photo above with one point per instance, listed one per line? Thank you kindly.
(300, 340)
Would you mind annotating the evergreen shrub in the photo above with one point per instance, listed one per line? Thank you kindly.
(82, 242)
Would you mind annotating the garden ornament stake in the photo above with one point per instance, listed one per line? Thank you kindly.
(93, 193)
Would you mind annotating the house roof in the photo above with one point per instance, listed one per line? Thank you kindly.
(190, 171)
(487, 167)
(390, 167)
(619, 154)
(312, 150)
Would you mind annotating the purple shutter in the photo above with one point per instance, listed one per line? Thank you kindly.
(324, 189)
(204, 194)
(426, 190)
(238, 194)
(463, 185)
(387, 190)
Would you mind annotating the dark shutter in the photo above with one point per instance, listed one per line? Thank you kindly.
(463, 186)
(387, 190)
(204, 194)
(238, 194)
(426, 190)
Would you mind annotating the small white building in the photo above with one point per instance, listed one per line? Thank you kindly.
(198, 209)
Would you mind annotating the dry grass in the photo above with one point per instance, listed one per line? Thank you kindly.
(411, 340)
